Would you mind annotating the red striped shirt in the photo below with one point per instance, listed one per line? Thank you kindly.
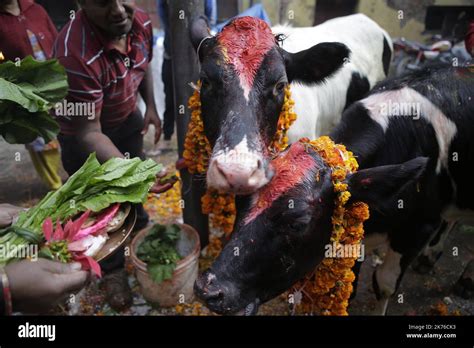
(14, 40)
(98, 73)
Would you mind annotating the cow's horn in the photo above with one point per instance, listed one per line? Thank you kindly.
(199, 31)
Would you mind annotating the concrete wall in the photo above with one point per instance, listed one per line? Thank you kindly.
(388, 17)
(301, 13)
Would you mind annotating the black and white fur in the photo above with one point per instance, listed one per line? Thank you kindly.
(444, 132)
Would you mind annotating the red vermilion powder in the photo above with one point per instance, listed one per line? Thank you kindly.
(245, 42)
(290, 169)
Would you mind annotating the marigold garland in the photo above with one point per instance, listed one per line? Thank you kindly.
(197, 150)
(165, 207)
(326, 291)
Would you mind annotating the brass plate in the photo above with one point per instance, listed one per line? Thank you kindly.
(119, 237)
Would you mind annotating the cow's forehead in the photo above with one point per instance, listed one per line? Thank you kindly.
(244, 43)
(291, 169)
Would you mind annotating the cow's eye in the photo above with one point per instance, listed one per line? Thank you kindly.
(279, 88)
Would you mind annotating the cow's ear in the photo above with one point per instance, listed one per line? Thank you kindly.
(199, 31)
(316, 63)
(382, 187)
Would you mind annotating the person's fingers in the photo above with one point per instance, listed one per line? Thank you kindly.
(157, 135)
(5, 219)
(157, 132)
(157, 188)
(180, 164)
(10, 207)
(161, 174)
(75, 266)
(73, 282)
(58, 267)
(146, 126)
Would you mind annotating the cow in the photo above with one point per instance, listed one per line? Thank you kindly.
(414, 140)
(244, 72)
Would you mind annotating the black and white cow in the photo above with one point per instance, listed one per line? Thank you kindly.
(245, 69)
(414, 140)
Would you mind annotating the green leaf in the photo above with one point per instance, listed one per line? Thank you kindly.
(134, 194)
(116, 168)
(158, 251)
(27, 92)
(145, 171)
(159, 273)
(46, 253)
(47, 79)
(80, 193)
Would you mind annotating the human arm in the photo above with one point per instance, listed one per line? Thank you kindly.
(53, 283)
(151, 113)
(8, 213)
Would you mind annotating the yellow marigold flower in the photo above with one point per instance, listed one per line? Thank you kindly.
(332, 281)
(344, 197)
(330, 285)
(340, 187)
(197, 152)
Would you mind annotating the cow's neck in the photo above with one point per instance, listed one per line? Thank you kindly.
(401, 141)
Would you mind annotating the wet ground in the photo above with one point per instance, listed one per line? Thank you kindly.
(422, 294)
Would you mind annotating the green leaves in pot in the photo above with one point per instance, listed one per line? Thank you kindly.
(158, 251)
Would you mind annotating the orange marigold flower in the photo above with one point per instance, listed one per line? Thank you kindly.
(332, 281)
(197, 152)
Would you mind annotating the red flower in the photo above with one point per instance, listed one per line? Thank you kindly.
(62, 242)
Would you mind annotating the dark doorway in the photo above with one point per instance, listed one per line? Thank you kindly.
(449, 21)
(59, 11)
(327, 9)
(226, 9)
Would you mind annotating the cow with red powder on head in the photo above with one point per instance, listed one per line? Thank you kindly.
(413, 138)
(245, 70)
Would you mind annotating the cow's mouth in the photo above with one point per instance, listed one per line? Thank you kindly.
(250, 309)
(247, 310)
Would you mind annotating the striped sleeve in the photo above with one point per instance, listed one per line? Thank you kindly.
(147, 28)
(84, 86)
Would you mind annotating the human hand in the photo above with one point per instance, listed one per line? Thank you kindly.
(8, 213)
(152, 117)
(37, 286)
(163, 182)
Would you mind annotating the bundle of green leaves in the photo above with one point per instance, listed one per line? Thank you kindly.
(28, 90)
(93, 186)
(158, 251)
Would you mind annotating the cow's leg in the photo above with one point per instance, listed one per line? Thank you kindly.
(465, 285)
(386, 278)
(402, 249)
(425, 262)
(356, 270)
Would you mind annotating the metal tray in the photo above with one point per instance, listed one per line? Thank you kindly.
(119, 237)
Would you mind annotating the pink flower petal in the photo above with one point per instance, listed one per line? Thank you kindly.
(102, 220)
(68, 230)
(78, 224)
(59, 233)
(88, 263)
(78, 246)
(48, 229)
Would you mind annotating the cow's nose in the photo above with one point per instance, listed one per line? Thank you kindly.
(207, 288)
(242, 177)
